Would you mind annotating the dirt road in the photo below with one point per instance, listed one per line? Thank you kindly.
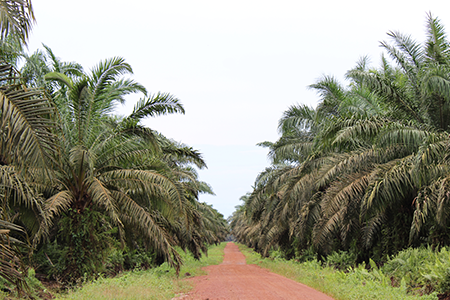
(234, 279)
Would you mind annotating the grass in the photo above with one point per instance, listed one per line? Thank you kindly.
(356, 284)
(157, 283)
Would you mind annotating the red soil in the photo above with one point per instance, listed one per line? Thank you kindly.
(234, 279)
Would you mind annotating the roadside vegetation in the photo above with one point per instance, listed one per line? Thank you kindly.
(160, 282)
(363, 178)
(85, 193)
(361, 282)
(157, 283)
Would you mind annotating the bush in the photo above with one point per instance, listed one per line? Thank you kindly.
(423, 269)
(308, 254)
(341, 260)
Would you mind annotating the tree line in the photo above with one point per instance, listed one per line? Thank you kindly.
(82, 191)
(366, 171)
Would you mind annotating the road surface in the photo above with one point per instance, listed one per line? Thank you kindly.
(234, 279)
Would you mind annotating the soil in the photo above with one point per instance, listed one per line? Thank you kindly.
(234, 279)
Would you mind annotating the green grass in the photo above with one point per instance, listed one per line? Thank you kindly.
(130, 285)
(356, 284)
(157, 283)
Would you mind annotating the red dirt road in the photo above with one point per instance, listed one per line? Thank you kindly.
(234, 279)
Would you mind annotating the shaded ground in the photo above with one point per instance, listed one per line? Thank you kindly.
(234, 279)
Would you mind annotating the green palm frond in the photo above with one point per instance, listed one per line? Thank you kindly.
(149, 223)
(102, 196)
(60, 77)
(393, 182)
(371, 228)
(408, 135)
(436, 80)
(362, 102)
(107, 72)
(392, 92)
(150, 182)
(300, 117)
(357, 132)
(346, 163)
(433, 150)
(182, 154)
(291, 148)
(156, 105)
(12, 50)
(437, 46)
(432, 205)
(331, 93)
(25, 122)
(407, 52)
(341, 208)
(21, 192)
(70, 69)
(16, 17)
(117, 91)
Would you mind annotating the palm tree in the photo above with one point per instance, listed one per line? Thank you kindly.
(102, 172)
(109, 171)
(372, 172)
(27, 149)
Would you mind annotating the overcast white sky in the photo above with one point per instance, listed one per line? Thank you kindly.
(236, 65)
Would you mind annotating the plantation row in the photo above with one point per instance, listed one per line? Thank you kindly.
(365, 173)
(84, 192)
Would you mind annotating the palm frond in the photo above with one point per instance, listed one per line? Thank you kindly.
(11, 268)
(25, 121)
(16, 17)
(437, 44)
(155, 105)
(149, 223)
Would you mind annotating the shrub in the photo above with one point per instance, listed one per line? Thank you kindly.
(423, 269)
(341, 260)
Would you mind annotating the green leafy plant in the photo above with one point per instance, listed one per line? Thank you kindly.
(423, 269)
(341, 260)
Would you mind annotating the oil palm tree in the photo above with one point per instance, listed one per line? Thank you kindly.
(111, 171)
(361, 164)
(376, 172)
(27, 150)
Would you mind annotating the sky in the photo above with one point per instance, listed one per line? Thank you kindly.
(235, 65)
